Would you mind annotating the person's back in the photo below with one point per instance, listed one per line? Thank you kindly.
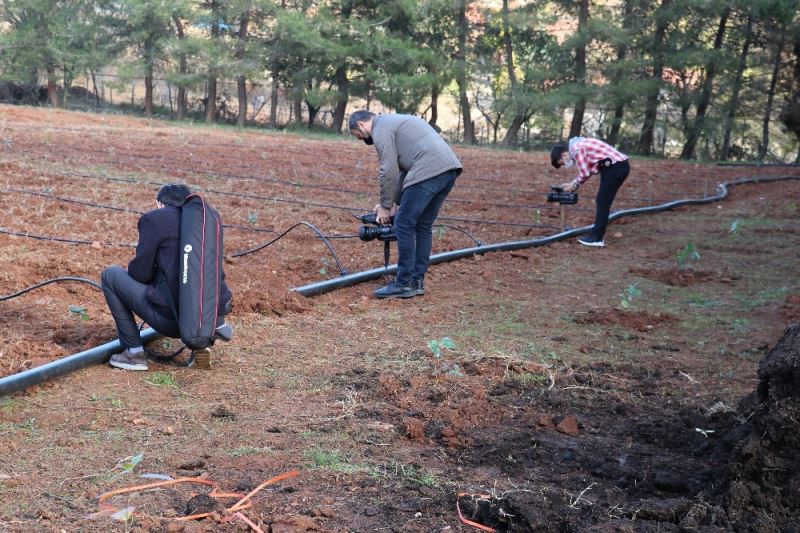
(139, 289)
(421, 152)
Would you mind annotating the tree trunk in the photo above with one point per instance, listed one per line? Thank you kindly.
(651, 103)
(273, 98)
(148, 76)
(705, 95)
(211, 100)
(241, 80)
(52, 88)
(776, 67)
(96, 90)
(519, 110)
(434, 105)
(180, 99)
(580, 70)
(342, 95)
(790, 116)
(737, 85)
(297, 105)
(463, 101)
(622, 52)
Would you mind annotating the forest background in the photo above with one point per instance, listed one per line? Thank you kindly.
(696, 79)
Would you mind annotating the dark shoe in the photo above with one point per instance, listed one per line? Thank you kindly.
(591, 241)
(224, 332)
(397, 291)
(128, 361)
(419, 287)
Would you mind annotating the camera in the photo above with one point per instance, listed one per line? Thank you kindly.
(375, 230)
(557, 194)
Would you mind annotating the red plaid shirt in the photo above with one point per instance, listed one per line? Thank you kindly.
(588, 153)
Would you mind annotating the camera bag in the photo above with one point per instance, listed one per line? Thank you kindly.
(200, 273)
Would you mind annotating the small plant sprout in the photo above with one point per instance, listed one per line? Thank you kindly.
(436, 345)
(79, 312)
(252, 218)
(325, 264)
(704, 432)
(627, 296)
(126, 465)
(734, 226)
(685, 256)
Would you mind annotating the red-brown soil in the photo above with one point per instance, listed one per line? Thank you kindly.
(570, 414)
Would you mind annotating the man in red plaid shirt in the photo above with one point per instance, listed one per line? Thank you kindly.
(593, 156)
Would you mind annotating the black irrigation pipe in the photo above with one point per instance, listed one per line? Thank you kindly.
(349, 209)
(59, 367)
(48, 282)
(299, 184)
(22, 380)
(316, 230)
(56, 239)
(322, 287)
(122, 209)
(284, 149)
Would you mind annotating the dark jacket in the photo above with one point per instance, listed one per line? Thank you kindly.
(159, 236)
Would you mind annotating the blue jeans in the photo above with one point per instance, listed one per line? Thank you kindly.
(419, 207)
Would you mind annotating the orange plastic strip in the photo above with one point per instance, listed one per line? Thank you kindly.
(470, 522)
(240, 504)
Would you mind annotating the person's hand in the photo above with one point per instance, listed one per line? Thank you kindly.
(568, 186)
(383, 215)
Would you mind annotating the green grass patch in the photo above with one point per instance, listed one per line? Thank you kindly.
(162, 379)
(242, 451)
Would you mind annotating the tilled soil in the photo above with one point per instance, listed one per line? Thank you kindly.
(555, 409)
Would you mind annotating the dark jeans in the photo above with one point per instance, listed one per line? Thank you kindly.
(611, 179)
(419, 207)
(126, 296)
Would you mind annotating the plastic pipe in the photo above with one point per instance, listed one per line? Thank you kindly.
(98, 354)
(321, 287)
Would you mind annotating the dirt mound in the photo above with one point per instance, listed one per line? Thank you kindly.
(639, 321)
(765, 474)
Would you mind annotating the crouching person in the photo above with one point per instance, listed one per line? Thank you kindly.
(152, 275)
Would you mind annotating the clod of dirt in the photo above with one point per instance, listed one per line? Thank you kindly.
(294, 524)
(639, 321)
(192, 465)
(202, 503)
(545, 421)
(765, 474)
(222, 411)
(569, 426)
(413, 428)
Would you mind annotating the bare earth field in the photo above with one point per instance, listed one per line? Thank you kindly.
(550, 409)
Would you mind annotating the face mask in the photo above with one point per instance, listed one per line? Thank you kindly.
(367, 138)
(569, 163)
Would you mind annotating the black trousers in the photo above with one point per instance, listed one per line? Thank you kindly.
(126, 296)
(611, 179)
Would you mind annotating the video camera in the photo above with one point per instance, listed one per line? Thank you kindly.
(557, 194)
(381, 232)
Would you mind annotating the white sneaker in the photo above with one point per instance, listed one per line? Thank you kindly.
(591, 241)
(128, 361)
